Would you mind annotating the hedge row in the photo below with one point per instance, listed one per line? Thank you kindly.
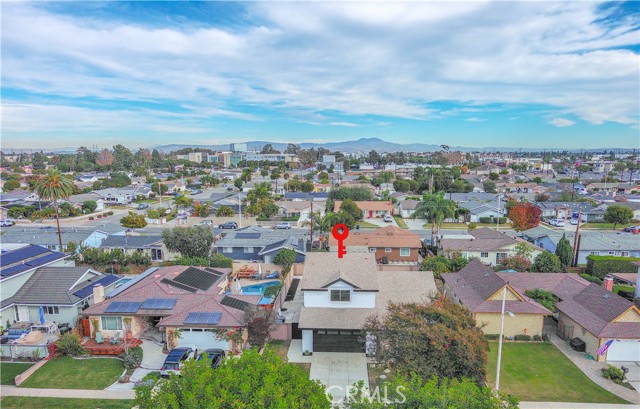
(492, 220)
(600, 266)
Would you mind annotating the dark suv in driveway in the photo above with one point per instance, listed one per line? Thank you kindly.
(174, 361)
(229, 225)
(215, 356)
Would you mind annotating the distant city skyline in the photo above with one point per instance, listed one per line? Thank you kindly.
(473, 74)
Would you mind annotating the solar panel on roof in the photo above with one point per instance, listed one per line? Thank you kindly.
(248, 235)
(235, 303)
(43, 260)
(159, 303)
(88, 290)
(7, 272)
(203, 318)
(197, 278)
(178, 285)
(123, 307)
(14, 256)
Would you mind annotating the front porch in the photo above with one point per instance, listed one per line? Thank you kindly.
(106, 348)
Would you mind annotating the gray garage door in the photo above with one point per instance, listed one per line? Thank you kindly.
(338, 341)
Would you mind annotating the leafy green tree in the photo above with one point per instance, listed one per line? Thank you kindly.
(133, 221)
(55, 187)
(238, 183)
(189, 241)
(434, 208)
(183, 201)
(156, 187)
(11, 185)
(352, 208)
(38, 160)
(547, 262)
(564, 251)
(201, 210)
(436, 264)
(493, 176)
(516, 262)
(618, 214)
(224, 211)
(220, 261)
(544, 297)
(489, 186)
(139, 259)
(285, 259)
(342, 218)
(250, 381)
(354, 193)
(90, 206)
(415, 392)
(436, 338)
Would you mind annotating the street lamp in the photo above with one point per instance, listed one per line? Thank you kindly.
(504, 299)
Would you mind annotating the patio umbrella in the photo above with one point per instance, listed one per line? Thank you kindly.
(260, 270)
(41, 315)
(238, 286)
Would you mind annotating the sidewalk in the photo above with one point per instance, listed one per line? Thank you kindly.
(572, 405)
(7, 390)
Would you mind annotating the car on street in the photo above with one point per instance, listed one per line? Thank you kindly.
(196, 191)
(175, 361)
(228, 225)
(142, 206)
(630, 229)
(229, 189)
(387, 218)
(206, 223)
(7, 223)
(215, 355)
(556, 222)
(283, 226)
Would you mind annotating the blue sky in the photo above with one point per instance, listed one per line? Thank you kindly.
(517, 74)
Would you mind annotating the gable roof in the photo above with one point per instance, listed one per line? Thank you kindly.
(46, 237)
(26, 258)
(256, 236)
(128, 242)
(589, 240)
(322, 269)
(388, 236)
(375, 205)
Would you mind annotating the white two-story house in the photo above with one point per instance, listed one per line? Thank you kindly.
(339, 294)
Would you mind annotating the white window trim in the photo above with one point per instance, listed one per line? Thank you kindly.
(118, 321)
(248, 250)
(339, 290)
(405, 252)
(372, 249)
(51, 310)
(387, 250)
(484, 254)
(227, 249)
(624, 253)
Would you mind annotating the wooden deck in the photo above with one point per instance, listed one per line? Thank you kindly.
(106, 348)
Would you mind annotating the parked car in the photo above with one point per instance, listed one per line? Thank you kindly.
(629, 229)
(196, 191)
(283, 225)
(215, 355)
(557, 222)
(206, 223)
(387, 218)
(228, 225)
(7, 223)
(229, 189)
(142, 206)
(175, 361)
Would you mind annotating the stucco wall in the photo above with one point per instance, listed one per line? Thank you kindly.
(592, 343)
(529, 324)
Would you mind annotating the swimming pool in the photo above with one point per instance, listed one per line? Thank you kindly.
(258, 288)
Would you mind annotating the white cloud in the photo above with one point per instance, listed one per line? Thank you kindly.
(307, 60)
(475, 119)
(348, 124)
(561, 122)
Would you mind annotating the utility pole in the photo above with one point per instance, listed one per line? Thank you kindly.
(499, 214)
(311, 228)
(575, 239)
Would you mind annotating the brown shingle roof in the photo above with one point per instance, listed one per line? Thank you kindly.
(322, 269)
(376, 205)
(389, 236)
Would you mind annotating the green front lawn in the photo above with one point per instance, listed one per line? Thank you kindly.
(69, 373)
(607, 226)
(9, 371)
(401, 222)
(622, 287)
(30, 402)
(367, 225)
(539, 372)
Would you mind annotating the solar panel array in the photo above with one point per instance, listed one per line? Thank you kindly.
(178, 285)
(11, 257)
(235, 303)
(25, 258)
(88, 290)
(248, 235)
(196, 278)
(203, 318)
(123, 307)
(158, 304)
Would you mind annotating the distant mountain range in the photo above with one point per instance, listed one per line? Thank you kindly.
(361, 145)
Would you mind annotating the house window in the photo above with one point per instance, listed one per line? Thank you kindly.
(112, 323)
(227, 249)
(405, 252)
(387, 250)
(156, 254)
(624, 254)
(341, 295)
(51, 310)
(594, 253)
(500, 257)
(484, 254)
(248, 249)
(612, 253)
(372, 249)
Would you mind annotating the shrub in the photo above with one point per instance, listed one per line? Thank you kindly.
(489, 220)
(91, 218)
(110, 213)
(472, 226)
(613, 373)
(545, 337)
(491, 337)
(133, 359)
(536, 338)
(591, 278)
(69, 344)
(99, 216)
(546, 298)
(522, 337)
(600, 266)
(105, 214)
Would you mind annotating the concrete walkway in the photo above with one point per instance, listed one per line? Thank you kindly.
(7, 390)
(573, 405)
(593, 370)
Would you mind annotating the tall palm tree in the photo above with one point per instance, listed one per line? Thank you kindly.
(54, 187)
(321, 224)
(434, 208)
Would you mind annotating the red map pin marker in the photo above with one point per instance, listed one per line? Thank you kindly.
(340, 232)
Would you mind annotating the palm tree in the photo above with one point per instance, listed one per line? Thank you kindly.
(321, 224)
(54, 187)
(434, 208)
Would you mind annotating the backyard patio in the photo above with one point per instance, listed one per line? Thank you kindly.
(107, 348)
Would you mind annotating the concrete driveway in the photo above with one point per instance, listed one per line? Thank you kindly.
(338, 371)
(152, 357)
(633, 376)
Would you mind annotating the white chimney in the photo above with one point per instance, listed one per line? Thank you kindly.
(98, 294)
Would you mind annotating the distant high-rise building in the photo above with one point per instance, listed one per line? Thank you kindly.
(238, 147)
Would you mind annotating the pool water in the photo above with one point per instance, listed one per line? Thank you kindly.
(258, 288)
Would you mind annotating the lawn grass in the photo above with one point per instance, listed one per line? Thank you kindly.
(622, 287)
(69, 373)
(539, 372)
(401, 222)
(30, 402)
(9, 370)
(281, 348)
(367, 225)
(608, 226)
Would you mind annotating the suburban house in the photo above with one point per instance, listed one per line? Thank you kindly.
(519, 187)
(390, 244)
(79, 199)
(48, 237)
(300, 209)
(123, 195)
(152, 246)
(315, 196)
(489, 246)
(597, 243)
(260, 244)
(18, 265)
(485, 170)
(564, 210)
(162, 300)
(371, 208)
(92, 177)
(62, 292)
(634, 206)
(407, 207)
(478, 288)
(339, 294)
(478, 210)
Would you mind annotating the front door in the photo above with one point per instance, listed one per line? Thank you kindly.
(371, 214)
